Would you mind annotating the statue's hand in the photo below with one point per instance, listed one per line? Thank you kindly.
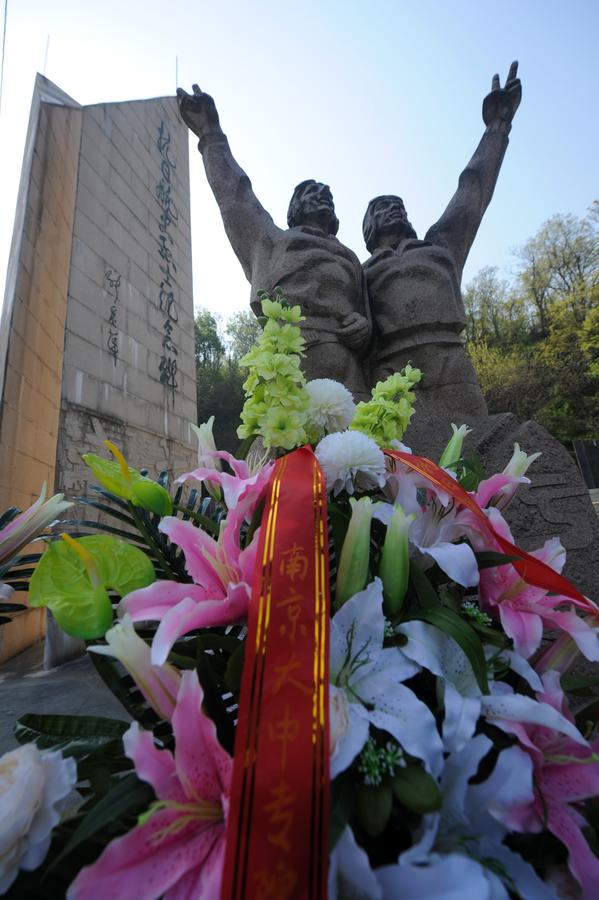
(355, 331)
(501, 104)
(198, 111)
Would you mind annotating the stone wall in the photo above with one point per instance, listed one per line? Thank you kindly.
(119, 381)
(34, 355)
(97, 326)
(33, 318)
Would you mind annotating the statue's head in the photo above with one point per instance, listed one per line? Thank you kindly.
(386, 218)
(312, 204)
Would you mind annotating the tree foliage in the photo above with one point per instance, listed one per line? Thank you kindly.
(219, 376)
(534, 340)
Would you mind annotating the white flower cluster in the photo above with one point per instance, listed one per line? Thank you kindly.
(34, 791)
(351, 461)
(331, 407)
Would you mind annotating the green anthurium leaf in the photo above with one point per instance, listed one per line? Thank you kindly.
(76, 591)
(137, 488)
(454, 625)
(374, 807)
(110, 475)
(123, 567)
(416, 789)
(151, 496)
(62, 583)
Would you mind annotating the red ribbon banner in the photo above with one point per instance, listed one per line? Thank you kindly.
(277, 844)
(530, 569)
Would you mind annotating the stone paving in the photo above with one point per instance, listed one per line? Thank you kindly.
(74, 688)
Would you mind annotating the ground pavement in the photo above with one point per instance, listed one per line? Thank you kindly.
(74, 688)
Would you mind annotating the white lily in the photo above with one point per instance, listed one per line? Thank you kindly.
(433, 533)
(158, 684)
(470, 826)
(206, 445)
(367, 689)
(464, 702)
(350, 874)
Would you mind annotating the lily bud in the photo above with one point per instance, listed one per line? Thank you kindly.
(559, 656)
(206, 455)
(158, 684)
(353, 563)
(520, 461)
(394, 568)
(453, 451)
(206, 445)
(24, 526)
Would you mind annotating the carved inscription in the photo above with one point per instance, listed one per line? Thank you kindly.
(113, 282)
(167, 299)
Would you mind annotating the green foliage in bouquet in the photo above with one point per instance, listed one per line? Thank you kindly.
(276, 403)
(74, 576)
(453, 751)
(386, 416)
(122, 481)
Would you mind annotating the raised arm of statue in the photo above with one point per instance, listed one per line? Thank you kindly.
(457, 227)
(245, 219)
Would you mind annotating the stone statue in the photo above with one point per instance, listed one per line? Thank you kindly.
(306, 260)
(414, 285)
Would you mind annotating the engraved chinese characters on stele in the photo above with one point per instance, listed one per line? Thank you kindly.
(113, 283)
(168, 217)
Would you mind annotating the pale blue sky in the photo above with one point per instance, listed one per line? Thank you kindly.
(379, 97)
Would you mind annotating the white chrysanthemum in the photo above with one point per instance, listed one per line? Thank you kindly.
(351, 461)
(34, 790)
(331, 407)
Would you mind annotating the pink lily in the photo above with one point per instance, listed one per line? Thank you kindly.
(222, 574)
(564, 773)
(499, 490)
(177, 849)
(563, 653)
(523, 608)
(243, 485)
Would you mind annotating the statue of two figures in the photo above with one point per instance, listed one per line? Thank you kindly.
(403, 305)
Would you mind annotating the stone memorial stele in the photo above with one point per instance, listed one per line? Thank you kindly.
(410, 290)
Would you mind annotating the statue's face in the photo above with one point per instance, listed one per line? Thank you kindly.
(390, 216)
(316, 202)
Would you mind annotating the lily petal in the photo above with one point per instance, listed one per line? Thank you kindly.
(189, 615)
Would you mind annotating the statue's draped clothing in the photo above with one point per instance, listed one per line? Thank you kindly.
(417, 305)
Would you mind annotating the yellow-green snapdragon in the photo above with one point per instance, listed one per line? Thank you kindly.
(386, 417)
(276, 403)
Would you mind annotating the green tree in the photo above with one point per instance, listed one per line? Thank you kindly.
(209, 347)
(219, 376)
(242, 330)
(534, 342)
(494, 313)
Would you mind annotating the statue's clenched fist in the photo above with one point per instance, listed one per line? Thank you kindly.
(198, 111)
